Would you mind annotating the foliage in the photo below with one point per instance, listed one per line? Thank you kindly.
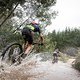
(63, 57)
(25, 9)
(48, 45)
(77, 63)
(7, 36)
(8, 4)
(47, 3)
(69, 37)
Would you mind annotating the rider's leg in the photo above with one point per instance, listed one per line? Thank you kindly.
(29, 44)
(24, 46)
(56, 58)
(26, 33)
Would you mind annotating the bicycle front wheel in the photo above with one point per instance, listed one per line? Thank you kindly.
(11, 52)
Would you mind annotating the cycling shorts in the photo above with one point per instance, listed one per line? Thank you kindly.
(26, 33)
(55, 54)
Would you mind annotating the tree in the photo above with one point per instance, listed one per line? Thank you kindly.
(67, 38)
(14, 14)
(41, 7)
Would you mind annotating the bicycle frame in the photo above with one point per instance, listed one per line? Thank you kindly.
(17, 57)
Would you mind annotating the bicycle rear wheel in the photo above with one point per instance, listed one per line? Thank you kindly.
(10, 52)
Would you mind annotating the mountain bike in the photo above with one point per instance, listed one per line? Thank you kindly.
(13, 53)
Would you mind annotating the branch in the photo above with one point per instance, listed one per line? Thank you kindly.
(9, 15)
(27, 19)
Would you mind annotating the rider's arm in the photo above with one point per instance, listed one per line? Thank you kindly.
(41, 37)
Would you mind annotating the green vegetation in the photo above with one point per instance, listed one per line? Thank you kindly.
(68, 42)
(12, 13)
(76, 63)
(63, 57)
(67, 38)
(19, 8)
(7, 36)
(11, 9)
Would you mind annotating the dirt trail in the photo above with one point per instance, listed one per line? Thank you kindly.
(36, 70)
(59, 71)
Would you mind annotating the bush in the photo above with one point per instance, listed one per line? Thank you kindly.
(72, 51)
(63, 57)
(77, 63)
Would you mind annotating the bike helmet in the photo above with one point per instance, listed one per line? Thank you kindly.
(33, 22)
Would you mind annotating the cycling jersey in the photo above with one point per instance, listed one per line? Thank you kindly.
(34, 27)
(26, 32)
(30, 27)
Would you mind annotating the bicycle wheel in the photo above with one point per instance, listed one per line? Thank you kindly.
(10, 53)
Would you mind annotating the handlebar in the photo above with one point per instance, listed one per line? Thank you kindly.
(37, 43)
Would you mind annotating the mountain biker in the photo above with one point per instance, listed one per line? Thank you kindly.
(55, 55)
(28, 35)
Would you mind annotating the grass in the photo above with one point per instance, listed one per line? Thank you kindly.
(63, 57)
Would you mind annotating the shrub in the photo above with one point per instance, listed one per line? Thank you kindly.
(77, 63)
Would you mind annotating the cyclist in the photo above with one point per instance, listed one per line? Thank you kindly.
(55, 55)
(28, 35)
